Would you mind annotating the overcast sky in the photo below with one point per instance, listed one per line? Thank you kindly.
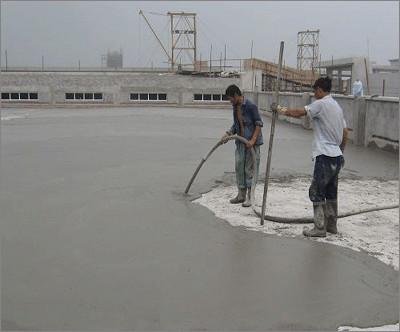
(67, 31)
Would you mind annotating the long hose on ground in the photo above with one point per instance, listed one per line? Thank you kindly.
(301, 220)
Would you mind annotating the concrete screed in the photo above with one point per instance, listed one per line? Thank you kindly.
(96, 233)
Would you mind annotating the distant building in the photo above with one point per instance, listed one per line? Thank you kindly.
(376, 79)
(112, 59)
(394, 62)
(394, 67)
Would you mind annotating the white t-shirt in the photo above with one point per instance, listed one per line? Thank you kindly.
(328, 123)
(358, 88)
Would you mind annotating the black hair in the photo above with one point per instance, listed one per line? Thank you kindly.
(324, 83)
(233, 90)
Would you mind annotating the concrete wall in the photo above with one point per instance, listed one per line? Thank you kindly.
(392, 84)
(115, 86)
(289, 99)
(382, 123)
(251, 80)
(371, 121)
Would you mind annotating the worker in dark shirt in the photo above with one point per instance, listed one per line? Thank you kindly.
(246, 123)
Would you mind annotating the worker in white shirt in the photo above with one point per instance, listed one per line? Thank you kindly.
(358, 88)
(330, 139)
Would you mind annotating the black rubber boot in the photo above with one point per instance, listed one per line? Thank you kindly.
(247, 202)
(241, 196)
(331, 216)
(319, 229)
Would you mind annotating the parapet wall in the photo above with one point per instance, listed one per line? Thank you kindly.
(371, 121)
(115, 87)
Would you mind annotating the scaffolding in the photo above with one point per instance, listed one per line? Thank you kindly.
(184, 39)
(307, 50)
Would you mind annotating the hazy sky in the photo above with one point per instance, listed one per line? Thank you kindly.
(67, 31)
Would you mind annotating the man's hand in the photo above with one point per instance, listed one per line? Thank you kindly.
(225, 138)
(250, 144)
(278, 108)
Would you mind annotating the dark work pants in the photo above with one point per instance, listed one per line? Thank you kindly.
(244, 165)
(324, 184)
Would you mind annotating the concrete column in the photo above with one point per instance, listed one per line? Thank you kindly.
(306, 100)
(359, 115)
(255, 99)
(52, 96)
(180, 102)
(116, 95)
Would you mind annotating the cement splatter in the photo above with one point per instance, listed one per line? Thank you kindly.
(394, 327)
(376, 233)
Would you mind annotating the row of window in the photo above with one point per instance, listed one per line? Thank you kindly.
(91, 96)
(209, 97)
(149, 96)
(84, 96)
(19, 96)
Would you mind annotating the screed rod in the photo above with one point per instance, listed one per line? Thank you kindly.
(271, 136)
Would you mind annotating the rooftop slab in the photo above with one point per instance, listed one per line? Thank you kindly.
(97, 234)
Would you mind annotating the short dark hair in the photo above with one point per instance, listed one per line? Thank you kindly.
(324, 83)
(233, 90)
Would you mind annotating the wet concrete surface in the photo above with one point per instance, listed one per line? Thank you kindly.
(97, 234)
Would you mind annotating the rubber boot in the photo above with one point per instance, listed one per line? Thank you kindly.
(240, 197)
(319, 229)
(331, 216)
(247, 202)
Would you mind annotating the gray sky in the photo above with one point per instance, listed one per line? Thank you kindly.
(67, 31)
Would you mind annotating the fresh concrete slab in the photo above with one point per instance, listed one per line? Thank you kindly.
(97, 235)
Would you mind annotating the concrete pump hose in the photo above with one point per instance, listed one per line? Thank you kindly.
(301, 220)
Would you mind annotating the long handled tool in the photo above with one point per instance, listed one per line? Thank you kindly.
(271, 137)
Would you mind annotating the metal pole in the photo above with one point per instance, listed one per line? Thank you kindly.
(383, 87)
(195, 40)
(172, 43)
(210, 58)
(252, 68)
(158, 39)
(225, 59)
(366, 75)
(271, 137)
(319, 64)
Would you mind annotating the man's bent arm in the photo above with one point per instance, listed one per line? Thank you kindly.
(253, 139)
(255, 134)
(345, 139)
(295, 112)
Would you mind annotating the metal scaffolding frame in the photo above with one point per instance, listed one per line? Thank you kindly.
(307, 50)
(184, 39)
